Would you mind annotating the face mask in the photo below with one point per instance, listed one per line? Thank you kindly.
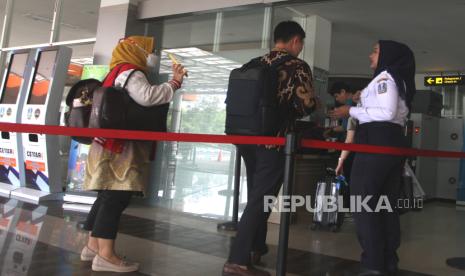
(152, 60)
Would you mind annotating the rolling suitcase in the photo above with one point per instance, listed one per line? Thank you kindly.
(333, 186)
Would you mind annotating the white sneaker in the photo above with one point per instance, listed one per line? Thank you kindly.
(87, 254)
(100, 264)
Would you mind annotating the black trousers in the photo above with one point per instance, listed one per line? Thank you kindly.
(265, 171)
(103, 219)
(378, 175)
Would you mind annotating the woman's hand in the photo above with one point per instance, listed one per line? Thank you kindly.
(179, 72)
(340, 112)
(339, 168)
(356, 97)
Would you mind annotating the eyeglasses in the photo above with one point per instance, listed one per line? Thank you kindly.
(130, 41)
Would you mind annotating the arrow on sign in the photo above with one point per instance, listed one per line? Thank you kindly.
(430, 81)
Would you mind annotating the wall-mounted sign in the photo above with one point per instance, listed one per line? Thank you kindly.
(444, 80)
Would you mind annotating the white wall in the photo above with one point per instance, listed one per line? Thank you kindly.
(158, 8)
(420, 82)
(318, 42)
(117, 19)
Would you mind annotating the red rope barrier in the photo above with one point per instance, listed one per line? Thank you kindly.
(381, 149)
(219, 139)
(142, 135)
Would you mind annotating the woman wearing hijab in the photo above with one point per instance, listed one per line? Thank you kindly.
(118, 169)
(385, 104)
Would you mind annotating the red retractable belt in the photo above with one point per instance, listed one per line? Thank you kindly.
(219, 139)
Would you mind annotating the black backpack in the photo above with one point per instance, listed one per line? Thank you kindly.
(94, 106)
(113, 108)
(251, 100)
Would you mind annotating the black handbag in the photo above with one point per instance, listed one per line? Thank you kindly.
(94, 106)
(79, 101)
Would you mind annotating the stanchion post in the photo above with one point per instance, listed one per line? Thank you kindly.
(232, 225)
(237, 184)
(289, 151)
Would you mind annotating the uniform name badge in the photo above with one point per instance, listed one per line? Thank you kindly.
(382, 88)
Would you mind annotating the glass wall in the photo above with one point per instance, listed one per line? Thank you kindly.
(78, 19)
(193, 31)
(31, 22)
(453, 98)
(243, 29)
(196, 177)
(32, 25)
(2, 12)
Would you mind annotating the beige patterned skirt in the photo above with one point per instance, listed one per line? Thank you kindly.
(126, 171)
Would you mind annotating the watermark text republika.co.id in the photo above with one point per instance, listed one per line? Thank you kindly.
(357, 204)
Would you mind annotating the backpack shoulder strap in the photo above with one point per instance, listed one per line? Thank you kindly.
(130, 75)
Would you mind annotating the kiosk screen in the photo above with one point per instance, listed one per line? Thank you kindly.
(42, 77)
(14, 78)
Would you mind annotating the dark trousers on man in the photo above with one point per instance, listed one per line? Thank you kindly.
(103, 219)
(265, 170)
(378, 175)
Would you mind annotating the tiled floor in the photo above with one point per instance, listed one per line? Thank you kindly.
(45, 241)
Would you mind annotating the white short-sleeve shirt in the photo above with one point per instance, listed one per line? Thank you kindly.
(380, 102)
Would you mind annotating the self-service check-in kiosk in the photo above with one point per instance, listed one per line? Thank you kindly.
(43, 174)
(13, 91)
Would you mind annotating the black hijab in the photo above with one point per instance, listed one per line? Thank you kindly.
(398, 60)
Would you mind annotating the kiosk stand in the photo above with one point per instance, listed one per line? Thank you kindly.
(13, 91)
(41, 152)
